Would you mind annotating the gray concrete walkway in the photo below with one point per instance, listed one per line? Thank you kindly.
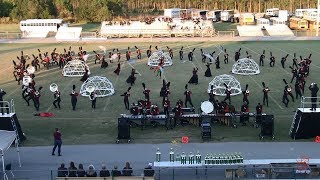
(40, 161)
(183, 39)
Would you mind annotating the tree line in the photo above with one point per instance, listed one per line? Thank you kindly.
(100, 10)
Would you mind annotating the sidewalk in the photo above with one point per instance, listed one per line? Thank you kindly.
(183, 39)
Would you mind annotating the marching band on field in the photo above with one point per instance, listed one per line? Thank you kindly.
(25, 72)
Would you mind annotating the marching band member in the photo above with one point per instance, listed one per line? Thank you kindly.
(245, 95)
(258, 114)
(29, 93)
(244, 113)
(117, 71)
(204, 58)
(2, 93)
(217, 62)
(154, 110)
(134, 110)
(294, 61)
(237, 55)
(208, 71)
(194, 78)
(287, 91)
(126, 96)
(181, 53)
(85, 76)
(272, 60)
(190, 54)
(187, 93)
(212, 95)
(146, 92)
(104, 63)
(131, 79)
(57, 99)
(265, 94)
(128, 54)
(93, 98)
(298, 89)
(97, 57)
(283, 60)
(149, 51)
(262, 56)
(74, 99)
(228, 93)
(36, 99)
(166, 106)
(170, 52)
(138, 51)
(226, 57)
(294, 73)
(314, 90)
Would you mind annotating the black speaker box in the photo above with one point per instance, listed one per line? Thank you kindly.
(123, 129)
(267, 125)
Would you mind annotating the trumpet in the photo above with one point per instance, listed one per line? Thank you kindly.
(53, 87)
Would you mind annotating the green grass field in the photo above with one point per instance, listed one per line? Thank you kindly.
(87, 126)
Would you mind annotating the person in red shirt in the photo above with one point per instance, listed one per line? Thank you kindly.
(57, 142)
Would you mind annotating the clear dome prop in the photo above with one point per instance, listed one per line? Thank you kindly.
(75, 68)
(219, 87)
(245, 66)
(154, 59)
(102, 86)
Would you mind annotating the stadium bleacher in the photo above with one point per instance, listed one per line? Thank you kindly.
(250, 31)
(279, 30)
(69, 33)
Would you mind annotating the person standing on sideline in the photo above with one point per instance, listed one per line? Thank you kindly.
(57, 142)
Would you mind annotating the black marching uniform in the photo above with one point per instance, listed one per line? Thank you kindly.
(208, 71)
(314, 90)
(272, 60)
(126, 96)
(194, 78)
(265, 96)
(2, 93)
(262, 56)
(258, 114)
(74, 98)
(57, 99)
(93, 99)
(181, 53)
(188, 93)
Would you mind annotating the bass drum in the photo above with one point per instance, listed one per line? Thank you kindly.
(207, 107)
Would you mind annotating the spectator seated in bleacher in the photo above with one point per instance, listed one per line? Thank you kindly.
(148, 171)
(62, 171)
(81, 172)
(104, 172)
(72, 170)
(115, 172)
(91, 172)
(127, 170)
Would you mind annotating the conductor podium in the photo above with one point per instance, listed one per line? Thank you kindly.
(123, 130)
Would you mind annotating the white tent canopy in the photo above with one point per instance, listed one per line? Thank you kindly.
(219, 82)
(154, 59)
(245, 66)
(103, 87)
(75, 68)
(6, 139)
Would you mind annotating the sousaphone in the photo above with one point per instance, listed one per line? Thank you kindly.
(31, 70)
(90, 89)
(53, 87)
(207, 107)
(26, 80)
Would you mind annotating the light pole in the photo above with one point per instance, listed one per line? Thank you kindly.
(318, 13)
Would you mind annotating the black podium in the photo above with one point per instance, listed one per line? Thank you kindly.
(123, 130)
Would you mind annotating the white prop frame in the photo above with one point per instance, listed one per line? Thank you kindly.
(154, 59)
(103, 87)
(219, 87)
(75, 68)
(246, 66)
